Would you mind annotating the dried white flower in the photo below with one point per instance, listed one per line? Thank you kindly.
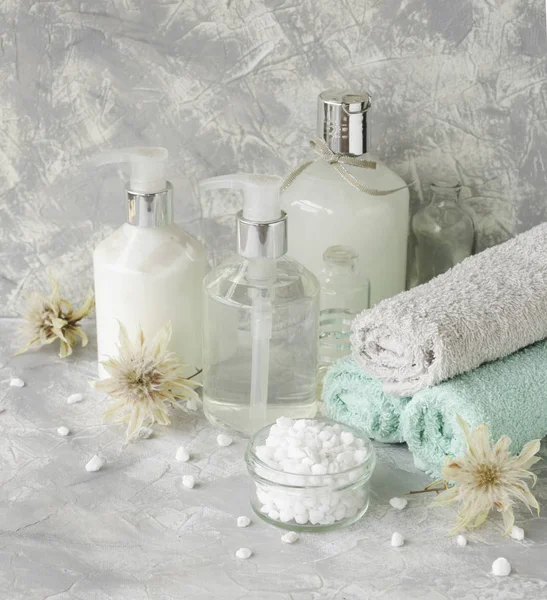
(53, 318)
(488, 477)
(145, 380)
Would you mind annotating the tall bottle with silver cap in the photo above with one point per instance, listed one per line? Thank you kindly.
(261, 313)
(149, 271)
(344, 196)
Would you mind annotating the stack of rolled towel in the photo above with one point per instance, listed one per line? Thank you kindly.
(470, 342)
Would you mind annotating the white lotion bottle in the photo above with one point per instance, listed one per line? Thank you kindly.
(325, 210)
(149, 271)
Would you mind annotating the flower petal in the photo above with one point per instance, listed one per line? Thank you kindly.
(446, 497)
(85, 309)
(528, 452)
(508, 520)
(480, 441)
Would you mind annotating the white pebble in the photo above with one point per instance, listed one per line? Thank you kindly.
(244, 553)
(63, 430)
(15, 382)
(224, 440)
(192, 404)
(145, 433)
(517, 533)
(501, 567)
(398, 503)
(461, 540)
(243, 521)
(285, 422)
(397, 540)
(95, 464)
(73, 398)
(182, 454)
(188, 481)
(290, 537)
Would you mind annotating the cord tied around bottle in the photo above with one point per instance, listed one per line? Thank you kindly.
(338, 162)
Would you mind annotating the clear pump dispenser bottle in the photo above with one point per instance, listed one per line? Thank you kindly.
(149, 271)
(260, 319)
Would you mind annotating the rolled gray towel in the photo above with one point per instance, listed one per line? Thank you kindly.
(484, 308)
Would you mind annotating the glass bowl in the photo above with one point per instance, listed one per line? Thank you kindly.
(309, 502)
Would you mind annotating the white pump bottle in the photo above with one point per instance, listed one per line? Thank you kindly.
(260, 319)
(149, 271)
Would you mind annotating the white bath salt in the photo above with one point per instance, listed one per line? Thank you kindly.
(461, 540)
(73, 398)
(397, 540)
(145, 433)
(182, 454)
(192, 404)
(398, 503)
(290, 537)
(243, 521)
(321, 451)
(16, 382)
(501, 567)
(95, 464)
(64, 431)
(188, 481)
(244, 553)
(517, 533)
(224, 440)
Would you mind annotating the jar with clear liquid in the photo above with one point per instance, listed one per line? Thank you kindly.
(345, 292)
(444, 232)
(292, 295)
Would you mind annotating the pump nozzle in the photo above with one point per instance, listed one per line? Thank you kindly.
(149, 195)
(147, 166)
(261, 194)
(261, 225)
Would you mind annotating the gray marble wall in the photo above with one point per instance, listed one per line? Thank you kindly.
(230, 85)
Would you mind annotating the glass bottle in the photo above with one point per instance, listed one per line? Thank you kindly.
(443, 230)
(320, 200)
(261, 312)
(345, 292)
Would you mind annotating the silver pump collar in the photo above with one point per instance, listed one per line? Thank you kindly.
(150, 210)
(261, 240)
(342, 120)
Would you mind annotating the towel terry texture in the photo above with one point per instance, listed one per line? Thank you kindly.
(350, 396)
(484, 308)
(509, 395)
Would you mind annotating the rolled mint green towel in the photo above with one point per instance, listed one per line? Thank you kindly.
(352, 397)
(509, 395)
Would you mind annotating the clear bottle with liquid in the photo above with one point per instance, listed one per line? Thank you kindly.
(261, 311)
(345, 292)
(443, 230)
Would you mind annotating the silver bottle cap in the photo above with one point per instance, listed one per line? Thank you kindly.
(150, 210)
(262, 240)
(342, 120)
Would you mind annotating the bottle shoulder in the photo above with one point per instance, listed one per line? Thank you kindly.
(139, 248)
(289, 278)
(321, 184)
(434, 218)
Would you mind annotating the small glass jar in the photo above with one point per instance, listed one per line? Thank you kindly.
(310, 502)
(443, 230)
(345, 292)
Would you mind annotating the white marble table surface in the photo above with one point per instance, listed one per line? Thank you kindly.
(132, 531)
